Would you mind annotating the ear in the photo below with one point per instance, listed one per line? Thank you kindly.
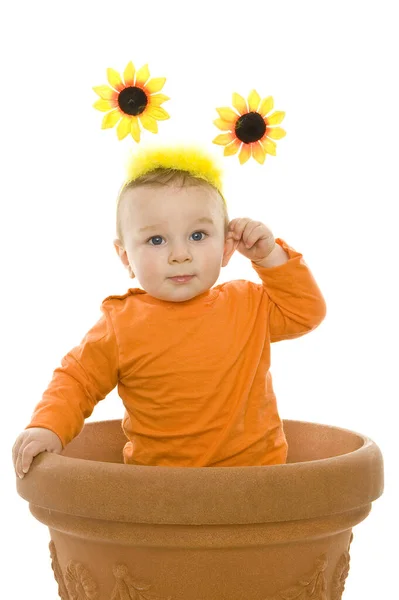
(230, 246)
(121, 252)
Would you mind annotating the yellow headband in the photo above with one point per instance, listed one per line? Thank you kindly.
(192, 159)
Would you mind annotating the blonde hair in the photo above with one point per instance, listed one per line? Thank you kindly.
(167, 176)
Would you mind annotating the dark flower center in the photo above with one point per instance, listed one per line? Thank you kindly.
(250, 127)
(132, 100)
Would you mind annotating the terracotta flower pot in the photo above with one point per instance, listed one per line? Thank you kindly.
(124, 532)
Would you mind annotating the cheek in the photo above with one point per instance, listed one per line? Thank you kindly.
(216, 246)
(149, 261)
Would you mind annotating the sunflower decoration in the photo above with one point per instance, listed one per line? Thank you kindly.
(130, 100)
(250, 130)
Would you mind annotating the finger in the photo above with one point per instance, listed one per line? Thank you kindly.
(233, 226)
(30, 451)
(235, 222)
(18, 466)
(268, 240)
(15, 449)
(18, 459)
(239, 226)
(252, 234)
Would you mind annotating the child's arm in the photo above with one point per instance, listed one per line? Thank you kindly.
(86, 375)
(296, 304)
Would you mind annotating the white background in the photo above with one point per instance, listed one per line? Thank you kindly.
(331, 192)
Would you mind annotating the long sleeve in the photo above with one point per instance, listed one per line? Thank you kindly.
(296, 304)
(87, 374)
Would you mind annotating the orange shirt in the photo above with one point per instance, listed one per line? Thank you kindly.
(193, 376)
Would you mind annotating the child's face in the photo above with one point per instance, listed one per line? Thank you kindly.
(175, 241)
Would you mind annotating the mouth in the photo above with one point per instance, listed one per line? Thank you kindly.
(181, 278)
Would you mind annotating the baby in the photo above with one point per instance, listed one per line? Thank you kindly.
(191, 361)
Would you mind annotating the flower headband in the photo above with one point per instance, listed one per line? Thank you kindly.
(134, 99)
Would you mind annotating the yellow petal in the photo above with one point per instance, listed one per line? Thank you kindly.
(157, 99)
(135, 129)
(266, 106)
(105, 92)
(239, 104)
(227, 114)
(245, 153)
(157, 112)
(142, 76)
(128, 75)
(115, 80)
(223, 125)
(258, 152)
(253, 101)
(275, 118)
(232, 148)
(103, 105)
(124, 127)
(111, 119)
(269, 146)
(224, 138)
(148, 122)
(276, 133)
(155, 85)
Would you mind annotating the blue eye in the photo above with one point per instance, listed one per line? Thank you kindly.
(154, 237)
(195, 232)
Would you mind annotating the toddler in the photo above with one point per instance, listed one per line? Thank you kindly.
(191, 361)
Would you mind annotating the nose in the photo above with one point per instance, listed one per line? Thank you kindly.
(180, 252)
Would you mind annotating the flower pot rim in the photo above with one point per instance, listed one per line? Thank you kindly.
(211, 495)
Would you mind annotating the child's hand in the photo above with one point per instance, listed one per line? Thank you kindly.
(31, 442)
(259, 238)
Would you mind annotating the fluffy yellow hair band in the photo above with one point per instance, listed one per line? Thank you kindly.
(192, 159)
